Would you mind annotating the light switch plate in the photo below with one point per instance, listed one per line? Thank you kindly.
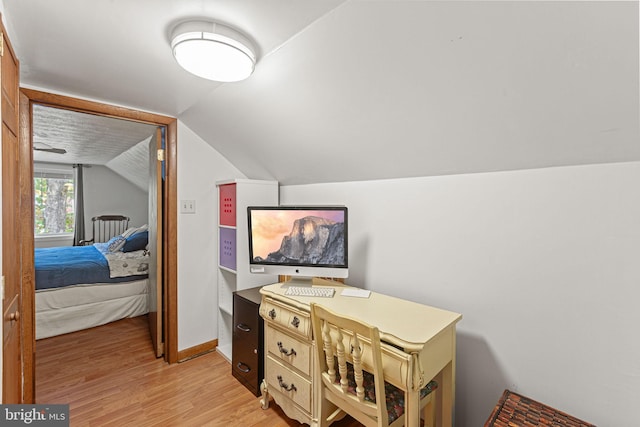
(188, 206)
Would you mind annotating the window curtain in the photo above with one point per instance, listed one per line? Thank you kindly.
(78, 229)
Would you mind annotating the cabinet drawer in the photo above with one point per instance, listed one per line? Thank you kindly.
(227, 250)
(228, 204)
(288, 383)
(246, 370)
(246, 319)
(289, 349)
(293, 320)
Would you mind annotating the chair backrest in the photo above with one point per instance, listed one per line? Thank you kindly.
(107, 226)
(349, 355)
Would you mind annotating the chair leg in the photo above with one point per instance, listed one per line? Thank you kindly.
(327, 413)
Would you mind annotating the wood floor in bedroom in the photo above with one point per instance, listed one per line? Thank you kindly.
(110, 377)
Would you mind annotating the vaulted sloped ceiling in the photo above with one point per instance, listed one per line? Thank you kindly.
(363, 89)
(133, 164)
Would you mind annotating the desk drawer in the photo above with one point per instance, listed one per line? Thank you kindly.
(296, 321)
(289, 349)
(288, 383)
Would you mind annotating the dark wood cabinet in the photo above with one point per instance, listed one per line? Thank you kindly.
(247, 357)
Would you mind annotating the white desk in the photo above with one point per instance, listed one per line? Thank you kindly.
(426, 333)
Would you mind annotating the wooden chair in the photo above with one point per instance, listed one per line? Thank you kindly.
(352, 378)
(105, 227)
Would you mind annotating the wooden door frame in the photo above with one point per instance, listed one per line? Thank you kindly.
(169, 226)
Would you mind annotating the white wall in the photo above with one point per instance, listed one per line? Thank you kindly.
(543, 265)
(106, 192)
(199, 167)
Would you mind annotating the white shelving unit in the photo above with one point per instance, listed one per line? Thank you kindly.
(233, 261)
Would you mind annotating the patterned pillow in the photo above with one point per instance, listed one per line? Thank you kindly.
(116, 243)
(133, 230)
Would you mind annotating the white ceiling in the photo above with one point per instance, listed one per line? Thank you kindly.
(362, 89)
(86, 138)
(120, 145)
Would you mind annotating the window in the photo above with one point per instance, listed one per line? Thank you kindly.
(54, 201)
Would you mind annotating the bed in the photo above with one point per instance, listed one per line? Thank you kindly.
(79, 287)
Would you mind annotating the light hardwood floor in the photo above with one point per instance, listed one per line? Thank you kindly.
(110, 377)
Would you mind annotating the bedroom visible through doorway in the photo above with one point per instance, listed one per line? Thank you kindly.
(115, 182)
(92, 182)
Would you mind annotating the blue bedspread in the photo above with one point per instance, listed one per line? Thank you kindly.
(72, 265)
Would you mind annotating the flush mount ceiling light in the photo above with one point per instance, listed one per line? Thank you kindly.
(213, 51)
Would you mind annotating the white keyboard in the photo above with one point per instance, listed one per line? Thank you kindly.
(305, 291)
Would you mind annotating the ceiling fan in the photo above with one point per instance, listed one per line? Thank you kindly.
(39, 146)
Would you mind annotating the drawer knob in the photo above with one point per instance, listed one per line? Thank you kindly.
(243, 327)
(272, 313)
(286, 386)
(295, 322)
(243, 367)
(284, 351)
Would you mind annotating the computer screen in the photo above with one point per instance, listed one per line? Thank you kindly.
(298, 241)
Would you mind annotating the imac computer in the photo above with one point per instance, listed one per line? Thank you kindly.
(298, 241)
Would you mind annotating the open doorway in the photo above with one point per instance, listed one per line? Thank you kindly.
(164, 135)
(91, 186)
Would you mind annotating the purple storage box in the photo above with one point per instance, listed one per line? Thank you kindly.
(228, 248)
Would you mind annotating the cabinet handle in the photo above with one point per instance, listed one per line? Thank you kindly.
(243, 327)
(286, 386)
(286, 352)
(15, 316)
(295, 322)
(272, 313)
(243, 367)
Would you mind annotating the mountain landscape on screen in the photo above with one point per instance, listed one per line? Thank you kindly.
(312, 240)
